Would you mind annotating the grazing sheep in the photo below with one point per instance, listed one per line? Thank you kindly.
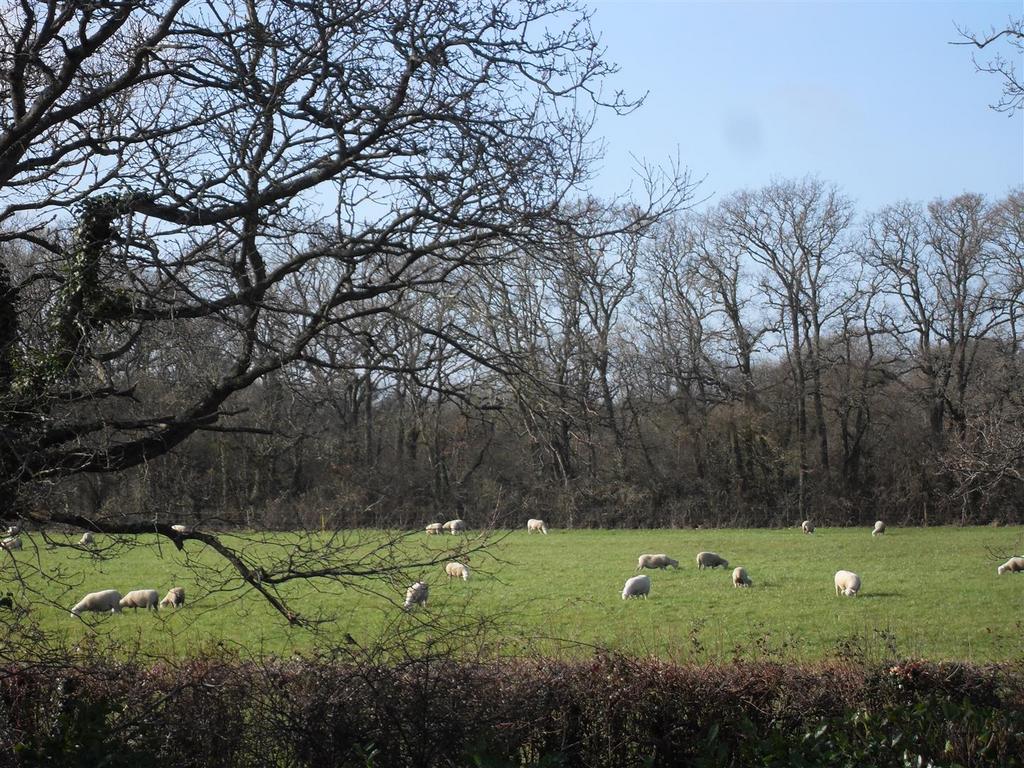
(656, 561)
(807, 526)
(740, 578)
(141, 598)
(457, 571)
(182, 529)
(416, 595)
(848, 583)
(100, 602)
(1013, 565)
(637, 586)
(455, 526)
(879, 528)
(11, 544)
(710, 560)
(175, 598)
(434, 528)
(533, 524)
(86, 539)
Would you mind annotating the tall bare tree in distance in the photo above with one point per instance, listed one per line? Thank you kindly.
(796, 232)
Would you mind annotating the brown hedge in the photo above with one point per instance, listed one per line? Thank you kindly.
(609, 711)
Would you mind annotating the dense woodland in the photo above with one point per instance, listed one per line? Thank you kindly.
(779, 355)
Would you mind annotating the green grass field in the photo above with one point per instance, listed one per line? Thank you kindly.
(930, 593)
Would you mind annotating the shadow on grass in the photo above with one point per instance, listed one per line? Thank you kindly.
(871, 595)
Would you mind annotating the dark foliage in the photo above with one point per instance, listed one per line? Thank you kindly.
(604, 712)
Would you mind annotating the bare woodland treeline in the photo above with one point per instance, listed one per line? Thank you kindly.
(777, 357)
(280, 263)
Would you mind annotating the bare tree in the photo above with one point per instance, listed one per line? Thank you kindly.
(1003, 65)
(605, 271)
(797, 231)
(529, 308)
(723, 270)
(941, 271)
(675, 318)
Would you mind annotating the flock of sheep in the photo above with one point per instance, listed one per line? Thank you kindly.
(107, 600)
(640, 586)
(419, 592)
(110, 600)
(846, 582)
(452, 526)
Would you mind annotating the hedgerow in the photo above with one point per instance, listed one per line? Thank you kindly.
(609, 711)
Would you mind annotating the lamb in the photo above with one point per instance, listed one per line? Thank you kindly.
(141, 598)
(807, 526)
(1013, 565)
(710, 560)
(100, 602)
(656, 561)
(86, 539)
(740, 578)
(175, 598)
(533, 524)
(457, 571)
(455, 526)
(879, 528)
(434, 528)
(848, 583)
(416, 595)
(11, 544)
(637, 586)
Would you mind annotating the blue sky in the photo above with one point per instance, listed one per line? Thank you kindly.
(869, 95)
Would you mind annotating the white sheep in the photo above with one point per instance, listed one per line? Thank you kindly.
(175, 598)
(11, 544)
(86, 539)
(879, 528)
(455, 526)
(416, 595)
(655, 561)
(100, 602)
(533, 524)
(637, 586)
(141, 598)
(710, 560)
(848, 583)
(457, 571)
(434, 528)
(740, 578)
(807, 526)
(1013, 565)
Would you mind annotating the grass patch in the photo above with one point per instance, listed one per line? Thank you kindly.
(927, 592)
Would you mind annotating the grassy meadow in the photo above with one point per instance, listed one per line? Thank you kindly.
(927, 592)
